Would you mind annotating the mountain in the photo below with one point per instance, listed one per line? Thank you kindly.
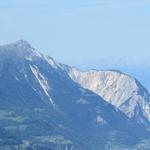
(119, 89)
(41, 107)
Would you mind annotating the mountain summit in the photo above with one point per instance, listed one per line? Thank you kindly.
(22, 44)
(20, 49)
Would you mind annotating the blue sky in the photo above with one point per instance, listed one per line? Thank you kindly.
(80, 31)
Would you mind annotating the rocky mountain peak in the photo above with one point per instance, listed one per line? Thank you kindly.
(119, 89)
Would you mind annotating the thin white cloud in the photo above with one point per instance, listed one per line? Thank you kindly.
(107, 5)
(39, 8)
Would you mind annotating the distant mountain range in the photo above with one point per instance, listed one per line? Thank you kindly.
(45, 106)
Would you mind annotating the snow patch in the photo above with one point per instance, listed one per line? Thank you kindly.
(33, 54)
(82, 101)
(100, 120)
(51, 62)
(42, 81)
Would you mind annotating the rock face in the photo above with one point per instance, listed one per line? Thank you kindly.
(119, 89)
(41, 107)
